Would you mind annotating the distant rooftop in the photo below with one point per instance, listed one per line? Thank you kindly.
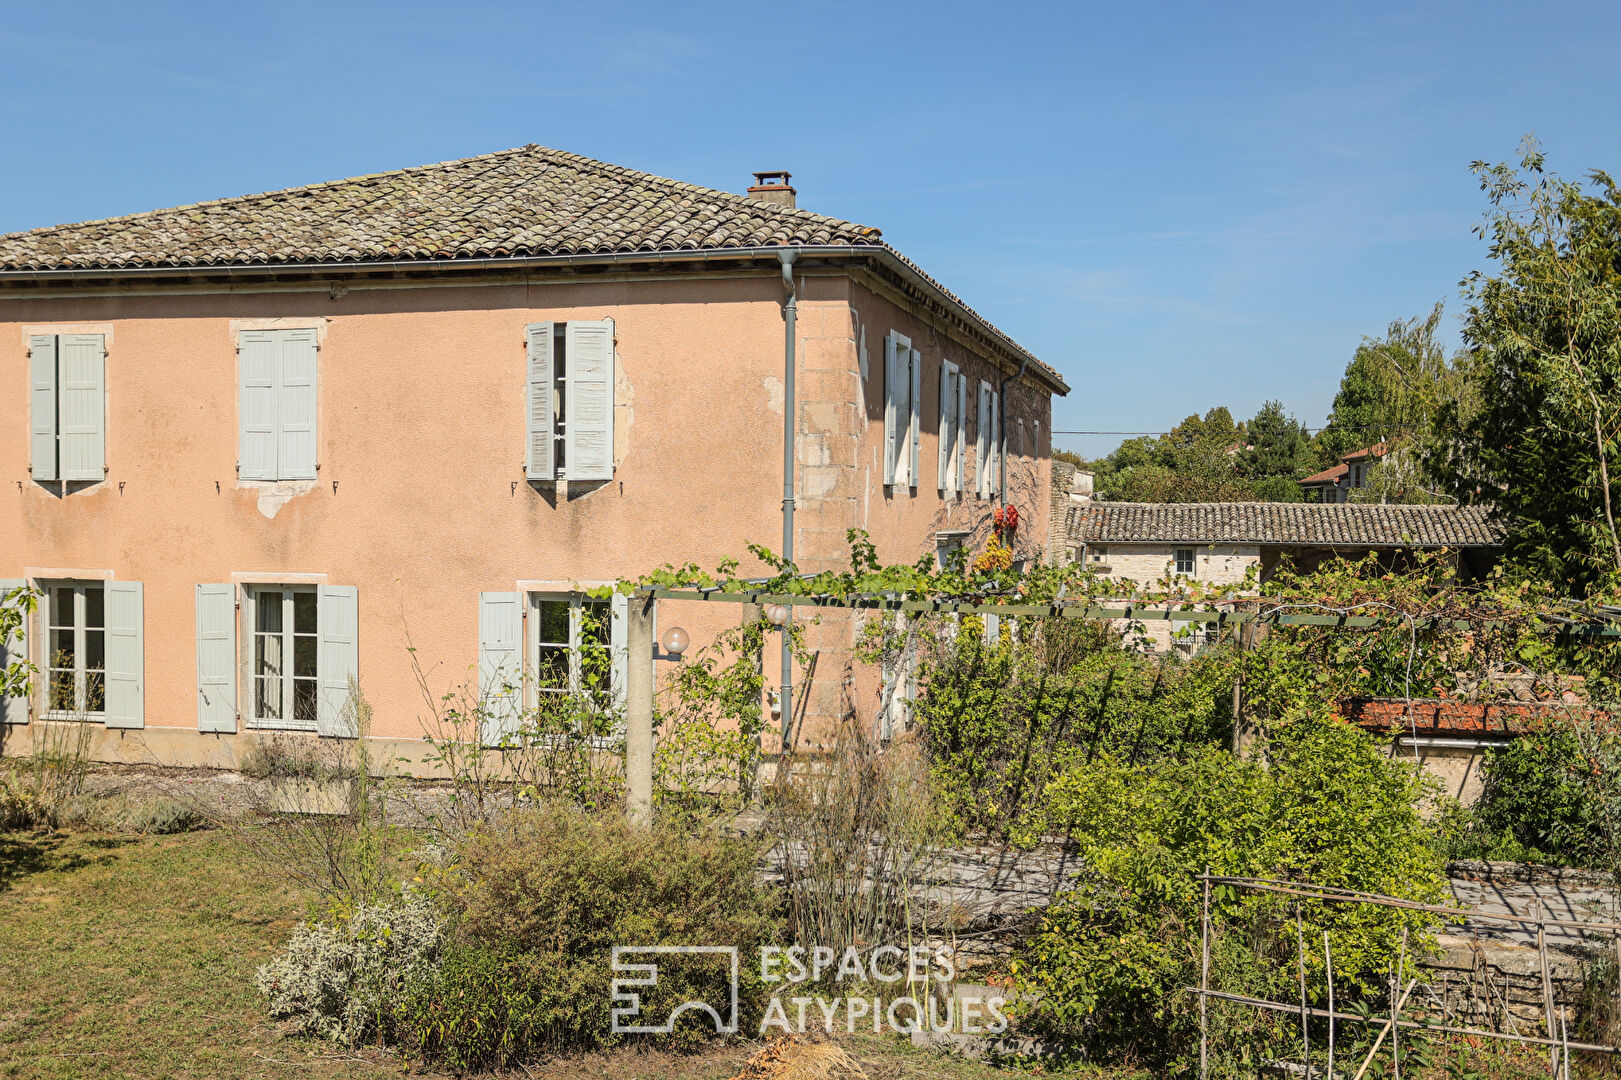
(1315, 524)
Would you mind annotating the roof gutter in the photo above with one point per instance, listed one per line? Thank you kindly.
(506, 264)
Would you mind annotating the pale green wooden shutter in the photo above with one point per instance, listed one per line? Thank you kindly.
(915, 407)
(996, 443)
(296, 456)
(126, 654)
(216, 658)
(947, 413)
(589, 426)
(337, 617)
(982, 443)
(500, 649)
(960, 435)
(894, 377)
(14, 709)
(81, 386)
(540, 463)
(42, 406)
(259, 366)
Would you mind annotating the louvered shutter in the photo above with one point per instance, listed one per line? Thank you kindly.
(14, 709)
(588, 428)
(960, 443)
(982, 443)
(126, 655)
(500, 645)
(996, 444)
(538, 459)
(216, 658)
(947, 413)
(42, 406)
(258, 366)
(916, 409)
(337, 619)
(81, 387)
(296, 456)
(894, 377)
(619, 639)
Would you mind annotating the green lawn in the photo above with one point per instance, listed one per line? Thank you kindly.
(131, 957)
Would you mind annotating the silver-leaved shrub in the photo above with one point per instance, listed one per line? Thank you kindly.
(342, 980)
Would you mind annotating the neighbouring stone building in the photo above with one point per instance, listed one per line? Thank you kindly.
(263, 444)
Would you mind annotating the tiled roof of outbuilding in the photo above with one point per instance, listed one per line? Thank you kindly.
(1317, 524)
(1328, 475)
(525, 202)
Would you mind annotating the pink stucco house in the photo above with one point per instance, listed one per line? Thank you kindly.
(257, 446)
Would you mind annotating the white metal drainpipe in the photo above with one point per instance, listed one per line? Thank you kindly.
(790, 314)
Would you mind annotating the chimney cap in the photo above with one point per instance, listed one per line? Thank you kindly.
(761, 178)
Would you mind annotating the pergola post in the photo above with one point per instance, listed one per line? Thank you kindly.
(639, 710)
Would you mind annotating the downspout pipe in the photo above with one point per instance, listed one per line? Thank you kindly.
(790, 316)
(1001, 431)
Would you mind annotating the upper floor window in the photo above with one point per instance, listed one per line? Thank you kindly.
(277, 407)
(67, 390)
(569, 399)
(1184, 561)
(903, 392)
(953, 418)
(989, 447)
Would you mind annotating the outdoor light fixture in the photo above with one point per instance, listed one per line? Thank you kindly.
(776, 614)
(675, 643)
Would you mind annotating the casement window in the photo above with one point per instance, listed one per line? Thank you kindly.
(276, 408)
(67, 407)
(92, 657)
(540, 646)
(988, 450)
(569, 401)
(953, 437)
(300, 647)
(903, 393)
(1184, 562)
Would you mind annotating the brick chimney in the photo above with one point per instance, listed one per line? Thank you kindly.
(773, 187)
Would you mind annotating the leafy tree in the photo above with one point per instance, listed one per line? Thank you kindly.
(15, 607)
(1070, 457)
(1392, 389)
(1546, 335)
(1275, 445)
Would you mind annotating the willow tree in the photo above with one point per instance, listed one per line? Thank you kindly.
(1545, 333)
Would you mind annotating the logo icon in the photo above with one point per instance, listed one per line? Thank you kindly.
(627, 1002)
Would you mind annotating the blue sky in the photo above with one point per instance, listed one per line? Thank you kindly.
(1178, 205)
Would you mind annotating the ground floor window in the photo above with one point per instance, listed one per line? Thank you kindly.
(76, 640)
(283, 658)
(1184, 561)
(572, 647)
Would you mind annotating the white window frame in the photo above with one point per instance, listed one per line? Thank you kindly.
(255, 595)
(1192, 561)
(81, 632)
(577, 602)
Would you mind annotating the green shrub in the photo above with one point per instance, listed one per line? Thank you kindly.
(1539, 796)
(542, 903)
(345, 980)
(997, 717)
(1112, 957)
(162, 816)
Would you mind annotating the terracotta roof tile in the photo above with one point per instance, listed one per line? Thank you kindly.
(1344, 524)
(1327, 475)
(529, 201)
